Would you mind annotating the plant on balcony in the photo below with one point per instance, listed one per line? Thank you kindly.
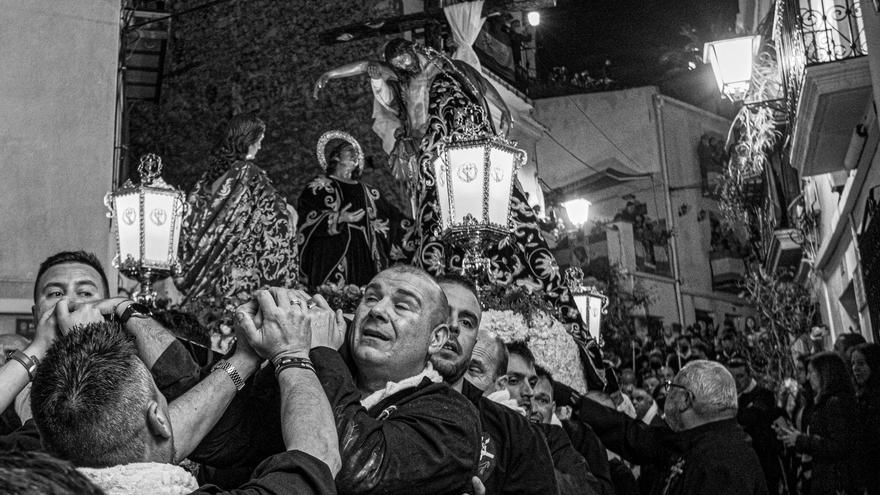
(787, 312)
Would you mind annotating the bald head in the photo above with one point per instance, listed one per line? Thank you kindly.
(488, 362)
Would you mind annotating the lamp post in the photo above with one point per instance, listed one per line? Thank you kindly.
(591, 303)
(475, 176)
(732, 61)
(148, 219)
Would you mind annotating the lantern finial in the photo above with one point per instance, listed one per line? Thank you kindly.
(149, 168)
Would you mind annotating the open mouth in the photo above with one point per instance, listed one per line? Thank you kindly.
(451, 346)
(375, 334)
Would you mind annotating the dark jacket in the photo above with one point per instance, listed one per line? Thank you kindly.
(587, 443)
(572, 472)
(712, 459)
(755, 413)
(424, 439)
(869, 415)
(834, 443)
(516, 459)
(287, 472)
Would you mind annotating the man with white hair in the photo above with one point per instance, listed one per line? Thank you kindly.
(703, 451)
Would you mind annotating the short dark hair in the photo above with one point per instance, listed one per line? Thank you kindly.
(833, 375)
(543, 372)
(522, 350)
(87, 397)
(396, 47)
(37, 473)
(72, 257)
(455, 279)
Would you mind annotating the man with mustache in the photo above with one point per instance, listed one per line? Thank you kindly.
(514, 459)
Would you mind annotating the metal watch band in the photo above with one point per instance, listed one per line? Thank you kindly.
(231, 371)
(30, 363)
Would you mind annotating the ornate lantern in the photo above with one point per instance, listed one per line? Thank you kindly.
(475, 177)
(591, 303)
(148, 218)
(732, 61)
(578, 211)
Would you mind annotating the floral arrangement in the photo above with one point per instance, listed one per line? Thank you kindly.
(345, 297)
(513, 320)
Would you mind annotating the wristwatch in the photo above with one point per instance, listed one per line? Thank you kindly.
(30, 363)
(231, 371)
(136, 310)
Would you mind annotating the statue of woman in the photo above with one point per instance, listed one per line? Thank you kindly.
(239, 232)
(347, 232)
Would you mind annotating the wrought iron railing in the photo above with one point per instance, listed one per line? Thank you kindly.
(812, 32)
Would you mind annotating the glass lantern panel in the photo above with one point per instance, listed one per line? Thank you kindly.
(467, 171)
(595, 316)
(442, 181)
(128, 226)
(731, 61)
(582, 302)
(501, 174)
(158, 212)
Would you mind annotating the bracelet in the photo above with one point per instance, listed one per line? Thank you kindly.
(30, 363)
(293, 362)
(231, 371)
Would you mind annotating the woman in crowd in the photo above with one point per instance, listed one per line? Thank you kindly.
(865, 360)
(832, 433)
(238, 233)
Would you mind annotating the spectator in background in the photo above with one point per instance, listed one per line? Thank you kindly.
(646, 408)
(832, 435)
(845, 343)
(756, 412)
(865, 360)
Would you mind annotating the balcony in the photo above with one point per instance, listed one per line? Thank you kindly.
(728, 271)
(822, 46)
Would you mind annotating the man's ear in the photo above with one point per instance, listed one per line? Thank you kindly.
(34, 313)
(501, 382)
(158, 421)
(439, 335)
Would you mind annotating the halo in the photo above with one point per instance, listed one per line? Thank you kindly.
(327, 136)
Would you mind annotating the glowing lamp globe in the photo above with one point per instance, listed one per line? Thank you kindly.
(147, 219)
(534, 18)
(732, 61)
(578, 211)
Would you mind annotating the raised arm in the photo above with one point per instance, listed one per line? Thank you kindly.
(376, 70)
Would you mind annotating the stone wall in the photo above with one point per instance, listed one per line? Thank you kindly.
(260, 56)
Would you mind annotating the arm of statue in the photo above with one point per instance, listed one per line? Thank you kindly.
(376, 70)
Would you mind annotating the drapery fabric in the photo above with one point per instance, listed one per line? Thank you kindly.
(465, 21)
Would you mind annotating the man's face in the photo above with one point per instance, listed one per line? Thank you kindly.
(392, 326)
(741, 376)
(407, 63)
(542, 402)
(642, 401)
(860, 369)
(677, 402)
(454, 357)
(651, 382)
(665, 374)
(77, 281)
(483, 368)
(521, 380)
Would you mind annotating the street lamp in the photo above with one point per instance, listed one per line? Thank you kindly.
(578, 211)
(475, 176)
(534, 18)
(732, 61)
(591, 303)
(148, 219)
